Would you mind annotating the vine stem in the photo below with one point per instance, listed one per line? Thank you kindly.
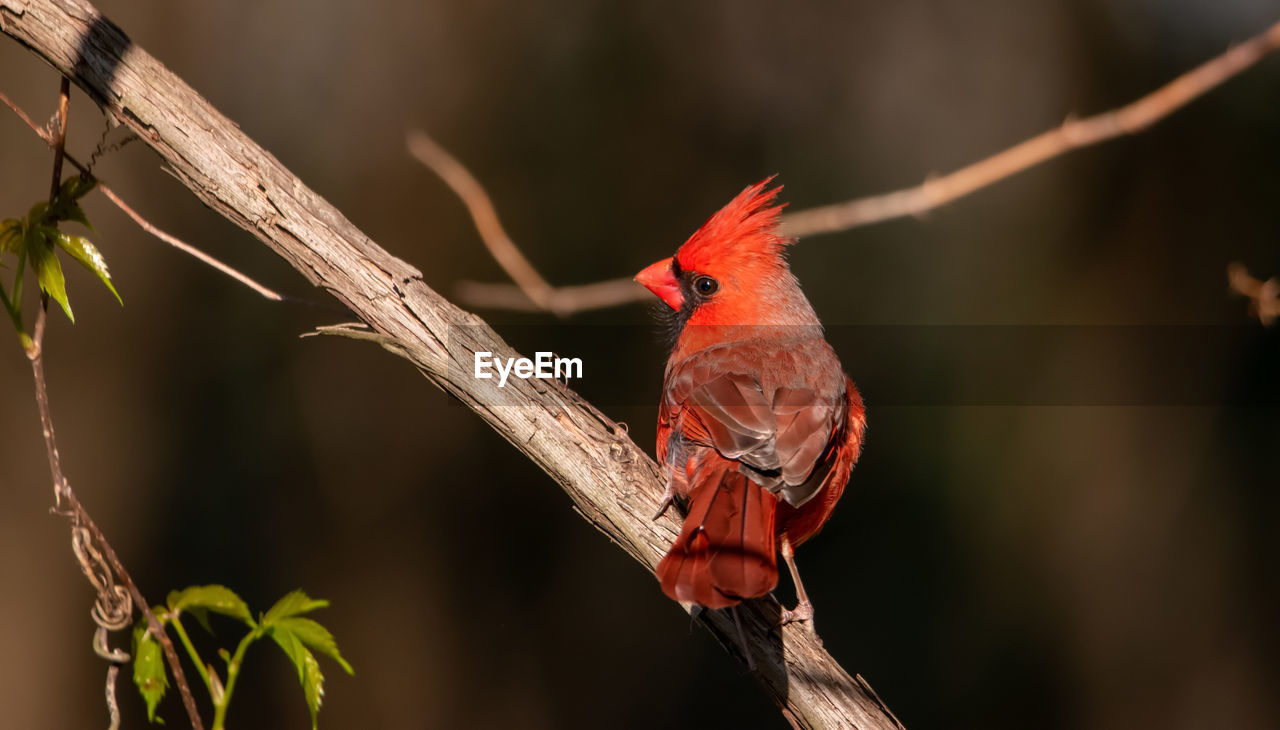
(65, 501)
(191, 651)
(60, 136)
(69, 506)
(233, 672)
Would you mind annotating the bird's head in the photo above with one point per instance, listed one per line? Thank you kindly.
(732, 270)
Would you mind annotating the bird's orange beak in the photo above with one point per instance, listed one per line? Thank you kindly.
(658, 279)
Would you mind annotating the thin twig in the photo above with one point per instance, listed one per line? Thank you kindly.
(59, 136)
(1072, 134)
(146, 225)
(113, 709)
(80, 516)
(68, 505)
(44, 134)
(1264, 296)
(564, 300)
(186, 247)
(65, 501)
(485, 216)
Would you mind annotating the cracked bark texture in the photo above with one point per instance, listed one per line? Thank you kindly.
(610, 480)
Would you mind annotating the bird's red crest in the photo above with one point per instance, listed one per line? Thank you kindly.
(746, 230)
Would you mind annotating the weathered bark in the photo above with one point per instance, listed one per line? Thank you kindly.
(612, 482)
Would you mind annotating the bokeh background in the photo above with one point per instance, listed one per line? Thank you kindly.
(1016, 564)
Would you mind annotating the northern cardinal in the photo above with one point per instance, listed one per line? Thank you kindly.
(758, 426)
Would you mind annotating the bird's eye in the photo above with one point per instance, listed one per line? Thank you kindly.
(705, 285)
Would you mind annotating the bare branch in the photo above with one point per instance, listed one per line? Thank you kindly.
(44, 134)
(1264, 296)
(185, 247)
(610, 480)
(564, 300)
(531, 293)
(478, 203)
(113, 709)
(58, 137)
(1072, 134)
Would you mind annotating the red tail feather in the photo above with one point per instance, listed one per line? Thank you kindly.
(727, 550)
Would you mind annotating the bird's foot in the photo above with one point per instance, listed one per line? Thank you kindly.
(662, 507)
(802, 613)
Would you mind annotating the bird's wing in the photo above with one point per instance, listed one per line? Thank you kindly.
(781, 436)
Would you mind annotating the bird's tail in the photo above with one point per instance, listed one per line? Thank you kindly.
(727, 550)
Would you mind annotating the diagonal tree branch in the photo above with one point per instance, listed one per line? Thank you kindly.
(611, 481)
(495, 238)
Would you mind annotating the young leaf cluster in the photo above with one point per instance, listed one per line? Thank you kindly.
(285, 623)
(36, 238)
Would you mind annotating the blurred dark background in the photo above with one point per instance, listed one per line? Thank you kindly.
(1040, 562)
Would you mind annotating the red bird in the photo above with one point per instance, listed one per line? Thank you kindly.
(758, 426)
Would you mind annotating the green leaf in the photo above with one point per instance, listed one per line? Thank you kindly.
(75, 188)
(295, 634)
(10, 235)
(294, 603)
(76, 214)
(82, 249)
(65, 207)
(304, 661)
(216, 598)
(48, 270)
(315, 636)
(148, 669)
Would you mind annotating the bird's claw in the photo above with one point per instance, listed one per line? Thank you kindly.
(667, 499)
(668, 496)
(802, 613)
